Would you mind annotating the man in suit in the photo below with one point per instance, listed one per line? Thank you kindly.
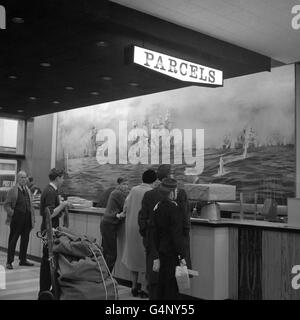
(20, 218)
(146, 226)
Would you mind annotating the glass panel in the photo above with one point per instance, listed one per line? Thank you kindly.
(8, 173)
(12, 136)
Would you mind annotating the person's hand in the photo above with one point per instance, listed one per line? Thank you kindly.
(120, 215)
(156, 265)
(66, 204)
(182, 262)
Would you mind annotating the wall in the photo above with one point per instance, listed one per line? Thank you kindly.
(297, 120)
(29, 136)
(42, 149)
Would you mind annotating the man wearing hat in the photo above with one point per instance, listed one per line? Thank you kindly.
(146, 225)
(168, 241)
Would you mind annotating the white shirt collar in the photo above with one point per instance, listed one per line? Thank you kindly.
(53, 185)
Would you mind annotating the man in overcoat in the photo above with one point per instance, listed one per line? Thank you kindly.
(21, 218)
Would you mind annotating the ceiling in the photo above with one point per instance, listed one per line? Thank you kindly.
(263, 26)
(62, 54)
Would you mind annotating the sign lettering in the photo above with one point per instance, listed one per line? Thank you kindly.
(177, 68)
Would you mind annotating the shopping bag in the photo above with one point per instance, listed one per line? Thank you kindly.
(182, 278)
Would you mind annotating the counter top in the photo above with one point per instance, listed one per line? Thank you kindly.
(90, 211)
(210, 223)
(246, 223)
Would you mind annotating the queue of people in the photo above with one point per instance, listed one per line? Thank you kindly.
(157, 224)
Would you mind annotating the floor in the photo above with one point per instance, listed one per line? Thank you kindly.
(22, 283)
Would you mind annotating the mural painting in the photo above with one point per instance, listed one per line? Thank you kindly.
(248, 138)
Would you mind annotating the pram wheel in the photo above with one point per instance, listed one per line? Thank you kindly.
(46, 295)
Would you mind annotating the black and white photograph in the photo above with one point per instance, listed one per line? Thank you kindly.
(150, 152)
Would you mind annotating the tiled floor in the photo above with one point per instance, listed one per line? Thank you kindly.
(22, 283)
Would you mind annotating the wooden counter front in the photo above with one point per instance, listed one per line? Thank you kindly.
(261, 256)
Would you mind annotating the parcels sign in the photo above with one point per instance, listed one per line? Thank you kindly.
(177, 68)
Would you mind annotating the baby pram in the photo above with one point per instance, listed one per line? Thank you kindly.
(77, 266)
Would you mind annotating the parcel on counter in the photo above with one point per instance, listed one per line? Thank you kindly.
(79, 203)
(210, 192)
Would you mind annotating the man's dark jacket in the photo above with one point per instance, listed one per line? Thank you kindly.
(146, 226)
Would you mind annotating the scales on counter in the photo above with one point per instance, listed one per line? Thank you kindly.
(211, 211)
(210, 194)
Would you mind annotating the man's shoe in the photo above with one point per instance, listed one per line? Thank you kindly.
(134, 292)
(143, 294)
(46, 295)
(26, 264)
(9, 266)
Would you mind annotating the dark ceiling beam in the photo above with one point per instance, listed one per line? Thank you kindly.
(120, 18)
(71, 10)
(66, 33)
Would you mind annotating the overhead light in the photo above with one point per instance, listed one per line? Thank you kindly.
(102, 44)
(32, 98)
(94, 93)
(13, 77)
(69, 88)
(133, 84)
(1, 108)
(55, 102)
(17, 20)
(45, 64)
(106, 78)
(20, 110)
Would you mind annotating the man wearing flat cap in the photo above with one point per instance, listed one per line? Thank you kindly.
(146, 225)
(168, 241)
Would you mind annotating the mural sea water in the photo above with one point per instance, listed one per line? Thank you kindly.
(262, 173)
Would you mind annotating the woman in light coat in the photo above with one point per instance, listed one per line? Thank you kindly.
(134, 252)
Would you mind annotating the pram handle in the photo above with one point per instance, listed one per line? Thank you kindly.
(66, 218)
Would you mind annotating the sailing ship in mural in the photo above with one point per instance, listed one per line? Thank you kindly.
(246, 142)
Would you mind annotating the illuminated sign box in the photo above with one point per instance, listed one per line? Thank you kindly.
(177, 68)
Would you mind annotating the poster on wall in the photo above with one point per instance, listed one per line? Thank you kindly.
(242, 134)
